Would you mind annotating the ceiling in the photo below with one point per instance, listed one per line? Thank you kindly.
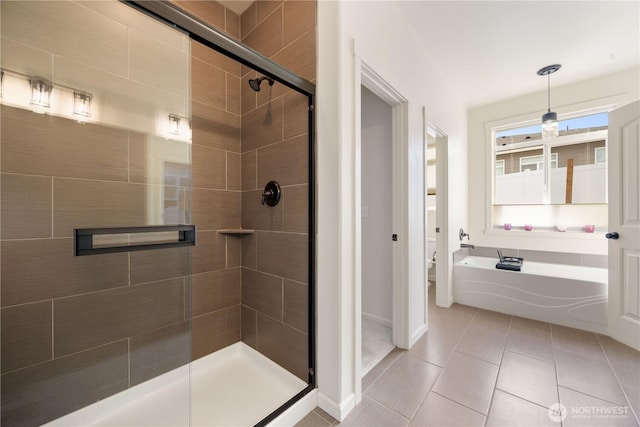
(491, 50)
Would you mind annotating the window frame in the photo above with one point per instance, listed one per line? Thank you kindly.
(554, 160)
(494, 214)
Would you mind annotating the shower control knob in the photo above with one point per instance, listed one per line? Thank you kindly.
(267, 194)
(614, 235)
(271, 193)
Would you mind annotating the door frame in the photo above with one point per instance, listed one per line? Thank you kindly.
(444, 294)
(366, 76)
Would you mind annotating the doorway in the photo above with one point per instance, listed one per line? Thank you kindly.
(401, 301)
(431, 208)
(436, 207)
(376, 229)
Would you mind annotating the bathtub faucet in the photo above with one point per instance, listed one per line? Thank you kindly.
(462, 235)
(467, 245)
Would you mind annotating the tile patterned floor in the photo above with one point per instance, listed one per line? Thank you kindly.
(480, 368)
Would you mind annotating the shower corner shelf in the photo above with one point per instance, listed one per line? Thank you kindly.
(236, 231)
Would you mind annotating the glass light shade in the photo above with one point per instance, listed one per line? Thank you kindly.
(549, 125)
(82, 104)
(40, 94)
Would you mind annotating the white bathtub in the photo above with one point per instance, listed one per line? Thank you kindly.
(566, 295)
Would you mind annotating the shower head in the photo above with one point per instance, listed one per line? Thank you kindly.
(255, 83)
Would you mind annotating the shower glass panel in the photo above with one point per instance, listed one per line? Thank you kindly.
(95, 134)
(156, 217)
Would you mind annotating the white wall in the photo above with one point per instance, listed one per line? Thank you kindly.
(376, 199)
(620, 88)
(384, 41)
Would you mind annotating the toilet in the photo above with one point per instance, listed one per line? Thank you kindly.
(431, 259)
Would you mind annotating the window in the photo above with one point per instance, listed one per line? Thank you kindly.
(569, 169)
(534, 163)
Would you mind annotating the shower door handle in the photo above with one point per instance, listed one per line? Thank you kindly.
(91, 241)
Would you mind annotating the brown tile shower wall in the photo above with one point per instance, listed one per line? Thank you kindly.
(78, 329)
(216, 183)
(273, 134)
(275, 147)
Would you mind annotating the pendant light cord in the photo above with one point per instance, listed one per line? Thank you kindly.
(548, 91)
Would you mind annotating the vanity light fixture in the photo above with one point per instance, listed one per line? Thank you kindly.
(40, 94)
(174, 124)
(82, 105)
(549, 119)
(1, 83)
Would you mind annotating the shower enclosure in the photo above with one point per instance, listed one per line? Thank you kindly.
(156, 212)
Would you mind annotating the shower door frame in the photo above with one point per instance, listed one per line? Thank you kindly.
(220, 42)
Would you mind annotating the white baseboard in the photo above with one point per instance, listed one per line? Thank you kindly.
(337, 411)
(377, 319)
(415, 336)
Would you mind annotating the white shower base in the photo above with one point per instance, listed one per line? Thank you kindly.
(236, 386)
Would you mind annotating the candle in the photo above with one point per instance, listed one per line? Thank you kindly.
(590, 228)
(561, 228)
(507, 226)
(528, 227)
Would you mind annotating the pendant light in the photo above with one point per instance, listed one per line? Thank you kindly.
(549, 119)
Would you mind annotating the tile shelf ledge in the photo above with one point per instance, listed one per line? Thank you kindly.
(236, 231)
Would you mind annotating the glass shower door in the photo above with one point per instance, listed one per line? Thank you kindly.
(95, 146)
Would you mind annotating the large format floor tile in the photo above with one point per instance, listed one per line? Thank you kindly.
(625, 362)
(370, 413)
(499, 370)
(404, 385)
(483, 344)
(436, 346)
(587, 411)
(530, 341)
(438, 411)
(492, 321)
(377, 370)
(576, 341)
(528, 378)
(588, 375)
(468, 381)
(511, 411)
